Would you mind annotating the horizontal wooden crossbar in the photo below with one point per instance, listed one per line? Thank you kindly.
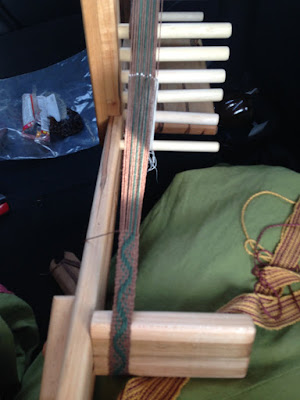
(209, 345)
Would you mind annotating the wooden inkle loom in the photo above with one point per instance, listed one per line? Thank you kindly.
(161, 343)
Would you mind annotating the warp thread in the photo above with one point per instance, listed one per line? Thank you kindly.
(139, 131)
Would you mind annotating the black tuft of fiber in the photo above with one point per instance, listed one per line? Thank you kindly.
(67, 127)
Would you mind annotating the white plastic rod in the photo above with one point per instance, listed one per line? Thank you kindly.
(172, 16)
(215, 53)
(185, 76)
(185, 95)
(218, 30)
(189, 118)
(182, 146)
(174, 117)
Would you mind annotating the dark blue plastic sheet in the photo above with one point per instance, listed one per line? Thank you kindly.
(70, 80)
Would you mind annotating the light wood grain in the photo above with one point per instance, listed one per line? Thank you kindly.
(100, 19)
(180, 344)
(59, 323)
(76, 381)
(185, 76)
(108, 17)
(93, 43)
(186, 31)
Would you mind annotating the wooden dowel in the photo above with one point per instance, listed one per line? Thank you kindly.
(182, 146)
(66, 272)
(186, 118)
(185, 95)
(218, 30)
(172, 16)
(185, 76)
(189, 118)
(215, 53)
(173, 117)
(179, 344)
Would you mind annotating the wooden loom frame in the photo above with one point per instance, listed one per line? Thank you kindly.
(71, 363)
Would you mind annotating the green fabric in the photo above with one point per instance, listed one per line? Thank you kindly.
(192, 259)
(8, 365)
(18, 339)
(30, 389)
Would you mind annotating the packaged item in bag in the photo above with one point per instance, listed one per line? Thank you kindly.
(37, 111)
(30, 113)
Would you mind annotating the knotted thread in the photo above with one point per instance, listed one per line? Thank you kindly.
(269, 307)
(251, 242)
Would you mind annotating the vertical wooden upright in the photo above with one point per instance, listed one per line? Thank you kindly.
(100, 19)
(76, 380)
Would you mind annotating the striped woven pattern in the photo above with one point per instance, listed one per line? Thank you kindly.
(153, 388)
(266, 311)
(139, 130)
(270, 306)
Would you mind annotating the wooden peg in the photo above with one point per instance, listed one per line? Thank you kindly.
(186, 16)
(182, 146)
(214, 53)
(217, 30)
(189, 118)
(185, 95)
(185, 76)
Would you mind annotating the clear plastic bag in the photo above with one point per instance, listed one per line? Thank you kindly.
(236, 109)
(70, 81)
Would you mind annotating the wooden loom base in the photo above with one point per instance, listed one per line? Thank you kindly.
(180, 344)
